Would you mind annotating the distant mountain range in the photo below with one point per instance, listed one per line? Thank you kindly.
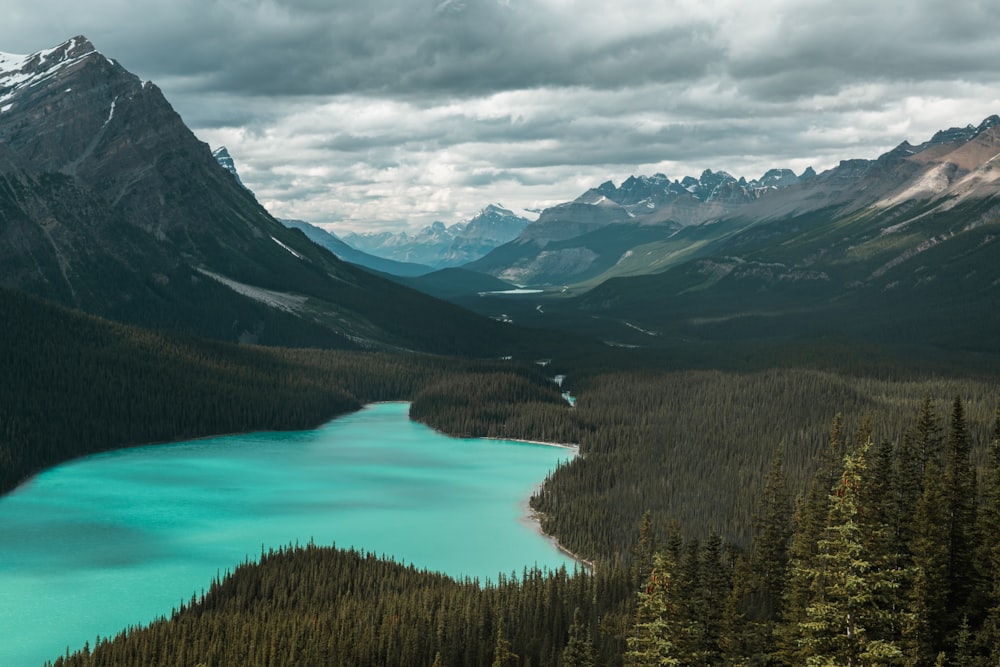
(902, 250)
(596, 236)
(109, 203)
(440, 246)
(408, 255)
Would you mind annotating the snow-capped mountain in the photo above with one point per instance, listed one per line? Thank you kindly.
(439, 245)
(110, 204)
(568, 242)
(645, 195)
(222, 156)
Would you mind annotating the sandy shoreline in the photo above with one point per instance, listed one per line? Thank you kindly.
(534, 519)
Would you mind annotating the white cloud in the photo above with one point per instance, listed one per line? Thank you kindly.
(393, 112)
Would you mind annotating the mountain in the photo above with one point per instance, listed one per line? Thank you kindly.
(565, 244)
(438, 245)
(338, 247)
(223, 157)
(902, 251)
(426, 246)
(329, 240)
(491, 227)
(108, 203)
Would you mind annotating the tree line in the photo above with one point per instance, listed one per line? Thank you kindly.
(891, 556)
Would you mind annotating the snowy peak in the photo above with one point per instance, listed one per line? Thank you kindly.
(18, 73)
(439, 245)
(643, 195)
(225, 160)
(962, 134)
(493, 224)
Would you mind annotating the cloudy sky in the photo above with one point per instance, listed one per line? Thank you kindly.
(385, 114)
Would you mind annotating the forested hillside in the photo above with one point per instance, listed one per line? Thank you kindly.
(75, 384)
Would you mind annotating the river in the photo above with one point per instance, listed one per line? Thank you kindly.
(116, 539)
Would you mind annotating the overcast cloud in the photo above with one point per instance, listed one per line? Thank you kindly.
(395, 113)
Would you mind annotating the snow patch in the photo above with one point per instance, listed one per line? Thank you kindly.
(111, 112)
(290, 303)
(287, 248)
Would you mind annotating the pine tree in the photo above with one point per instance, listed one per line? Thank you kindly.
(579, 650)
(960, 499)
(851, 617)
(503, 655)
(653, 641)
(928, 597)
(989, 561)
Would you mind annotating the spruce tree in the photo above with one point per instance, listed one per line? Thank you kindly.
(653, 641)
(928, 590)
(503, 654)
(960, 498)
(851, 616)
(579, 650)
(989, 561)
(810, 521)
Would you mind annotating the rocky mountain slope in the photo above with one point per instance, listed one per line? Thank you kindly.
(566, 244)
(952, 167)
(110, 204)
(901, 251)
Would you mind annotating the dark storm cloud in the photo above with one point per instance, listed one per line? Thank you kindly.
(390, 110)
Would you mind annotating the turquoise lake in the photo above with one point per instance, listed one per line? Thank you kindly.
(121, 538)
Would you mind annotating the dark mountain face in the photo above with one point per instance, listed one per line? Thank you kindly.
(110, 204)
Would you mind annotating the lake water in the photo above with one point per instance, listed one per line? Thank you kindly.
(121, 538)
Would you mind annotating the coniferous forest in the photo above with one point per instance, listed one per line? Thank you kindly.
(768, 517)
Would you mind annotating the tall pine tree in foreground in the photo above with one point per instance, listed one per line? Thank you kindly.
(850, 618)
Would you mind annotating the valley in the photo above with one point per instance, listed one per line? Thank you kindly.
(785, 394)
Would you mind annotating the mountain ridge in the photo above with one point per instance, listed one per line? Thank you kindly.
(110, 204)
(958, 163)
(443, 246)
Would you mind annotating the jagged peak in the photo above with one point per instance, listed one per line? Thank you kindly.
(72, 49)
(18, 73)
(988, 123)
(495, 209)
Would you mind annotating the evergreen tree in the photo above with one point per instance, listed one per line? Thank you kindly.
(960, 499)
(653, 641)
(503, 654)
(810, 522)
(714, 588)
(989, 561)
(579, 650)
(642, 552)
(928, 597)
(928, 440)
(851, 615)
(772, 532)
